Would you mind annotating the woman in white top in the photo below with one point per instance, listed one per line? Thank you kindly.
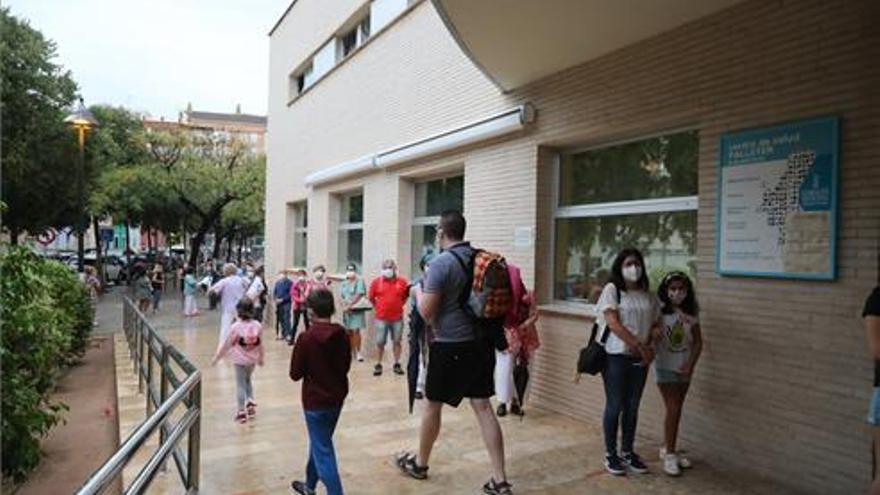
(627, 312)
(231, 289)
(256, 292)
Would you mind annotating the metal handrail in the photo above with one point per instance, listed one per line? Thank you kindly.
(145, 344)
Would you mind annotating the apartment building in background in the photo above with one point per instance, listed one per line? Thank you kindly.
(248, 128)
(568, 130)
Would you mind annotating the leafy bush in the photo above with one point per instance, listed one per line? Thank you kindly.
(46, 316)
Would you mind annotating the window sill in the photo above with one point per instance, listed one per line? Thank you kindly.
(564, 308)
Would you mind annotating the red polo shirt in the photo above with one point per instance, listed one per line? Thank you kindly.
(388, 297)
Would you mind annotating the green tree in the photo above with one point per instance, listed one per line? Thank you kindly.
(207, 173)
(38, 153)
(117, 142)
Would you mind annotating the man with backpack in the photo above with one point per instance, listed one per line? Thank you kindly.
(461, 356)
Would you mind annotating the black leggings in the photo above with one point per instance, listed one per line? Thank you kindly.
(296, 314)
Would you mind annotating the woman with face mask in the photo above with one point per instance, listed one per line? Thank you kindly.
(352, 290)
(626, 313)
(679, 344)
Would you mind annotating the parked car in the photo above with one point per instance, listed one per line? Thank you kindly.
(114, 268)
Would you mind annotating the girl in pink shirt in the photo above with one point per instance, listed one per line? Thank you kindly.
(245, 348)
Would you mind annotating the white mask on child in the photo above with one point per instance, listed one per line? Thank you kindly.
(632, 273)
(677, 297)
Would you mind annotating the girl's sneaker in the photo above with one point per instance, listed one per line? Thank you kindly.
(493, 487)
(251, 408)
(241, 417)
(670, 465)
(360, 357)
(683, 462)
(406, 462)
(614, 465)
(634, 463)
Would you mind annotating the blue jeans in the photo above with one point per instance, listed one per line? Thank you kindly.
(283, 313)
(322, 456)
(624, 380)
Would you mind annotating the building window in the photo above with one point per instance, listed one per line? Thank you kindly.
(431, 199)
(301, 80)
(301, 234)
(642, 194)
(348, 42)
(351, 231)
(353, 38)
(364, 30)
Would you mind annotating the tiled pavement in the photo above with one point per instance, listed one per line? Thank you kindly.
(546, 453)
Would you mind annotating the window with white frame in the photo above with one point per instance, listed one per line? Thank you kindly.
(351, 231)
(641, 194)
(300, 234)
(432, 198)
(301, 80)
(354, 37)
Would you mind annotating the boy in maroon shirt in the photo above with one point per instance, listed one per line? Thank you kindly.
(321, 358)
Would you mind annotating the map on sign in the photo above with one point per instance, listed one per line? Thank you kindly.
(777, 201)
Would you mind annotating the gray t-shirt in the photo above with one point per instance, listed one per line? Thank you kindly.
(446, 278)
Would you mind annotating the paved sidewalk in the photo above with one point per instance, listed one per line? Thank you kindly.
(547, 453)
(76, 448)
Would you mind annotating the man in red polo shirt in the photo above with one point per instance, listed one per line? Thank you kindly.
(388, 294)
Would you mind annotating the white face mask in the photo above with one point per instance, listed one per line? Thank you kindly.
(301, 278)
(632, 273)
(677, 297)
(350, 274)
(388, 272)
(319, 274)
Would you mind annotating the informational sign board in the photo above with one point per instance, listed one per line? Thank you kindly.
(777, 201)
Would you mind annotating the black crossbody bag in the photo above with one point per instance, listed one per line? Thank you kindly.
(593, 357)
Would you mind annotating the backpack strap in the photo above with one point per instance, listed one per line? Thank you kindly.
(469, 277)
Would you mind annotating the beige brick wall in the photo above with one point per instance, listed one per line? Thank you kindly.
(783, 385)
(408, 82)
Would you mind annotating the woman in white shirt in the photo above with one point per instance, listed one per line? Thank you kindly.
(256, 292)
(627, 312)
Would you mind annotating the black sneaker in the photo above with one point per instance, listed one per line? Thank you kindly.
(516, 410)
(493, 487)
(377, 370)
(301, 488)
(397, 369)
(502, 410)
(615, 465)
(406, 462)
(634, 463)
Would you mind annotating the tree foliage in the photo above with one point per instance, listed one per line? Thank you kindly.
(38, 150)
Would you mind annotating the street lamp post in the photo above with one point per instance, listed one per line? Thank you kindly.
(81, 120)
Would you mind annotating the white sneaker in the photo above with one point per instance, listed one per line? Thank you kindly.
(670, 465)
(360, 358)
(683, 462)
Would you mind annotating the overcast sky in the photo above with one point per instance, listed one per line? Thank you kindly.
(156, 56)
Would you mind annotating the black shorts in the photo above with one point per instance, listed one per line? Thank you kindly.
(460, 369)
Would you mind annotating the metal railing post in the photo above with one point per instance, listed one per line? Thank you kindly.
(163, 393)
(193, 456)
(140, 356)
(149, 378)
